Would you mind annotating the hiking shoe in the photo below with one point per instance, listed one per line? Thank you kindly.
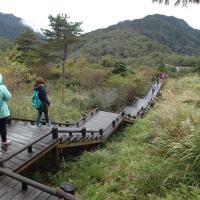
(48, 124)
(38, 126)
(8, 142)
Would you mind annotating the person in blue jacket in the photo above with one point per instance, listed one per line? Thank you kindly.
(4, 112)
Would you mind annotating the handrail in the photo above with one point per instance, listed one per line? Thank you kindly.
(41, 121)
(26, 181)
(85, 116)
(77, 131)
(54, 133)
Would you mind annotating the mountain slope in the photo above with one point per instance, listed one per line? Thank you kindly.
(152, 35)
(170, 31)
(11, 26)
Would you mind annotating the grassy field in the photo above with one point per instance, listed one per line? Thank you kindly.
(156, 158)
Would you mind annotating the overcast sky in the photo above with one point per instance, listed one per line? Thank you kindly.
(96, 14)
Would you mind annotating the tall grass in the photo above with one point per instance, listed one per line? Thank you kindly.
(65, 106)
(156, 158)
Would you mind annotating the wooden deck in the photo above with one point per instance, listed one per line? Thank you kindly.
(10, 189)
(141, 104)
(21, 136)
(30, 143)
(94, 128)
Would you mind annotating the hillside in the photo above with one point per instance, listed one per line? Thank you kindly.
(152, 35)
(11, 26)
(174, 33)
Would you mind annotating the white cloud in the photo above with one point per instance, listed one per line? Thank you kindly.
(95, 14)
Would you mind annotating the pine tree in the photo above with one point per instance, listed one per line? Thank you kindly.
(63, 33)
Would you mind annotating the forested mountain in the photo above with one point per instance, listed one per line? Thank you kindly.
(152, 35)
(11, 26)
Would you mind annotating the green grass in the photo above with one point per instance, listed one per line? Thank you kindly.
(156, 158)
(65, 106)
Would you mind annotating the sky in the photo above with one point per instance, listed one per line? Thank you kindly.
(95, 14)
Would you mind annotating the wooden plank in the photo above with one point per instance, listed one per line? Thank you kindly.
(43, 196)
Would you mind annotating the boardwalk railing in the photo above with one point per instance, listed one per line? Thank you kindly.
(54, 133)
(85, 117)
(41, 121)
(83, 131)
(26, 181)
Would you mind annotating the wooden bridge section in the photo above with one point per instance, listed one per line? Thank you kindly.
(142, 104)
(30, 143)
(94, 128)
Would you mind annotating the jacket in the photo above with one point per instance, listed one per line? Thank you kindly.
(43, 97)
(5, 96)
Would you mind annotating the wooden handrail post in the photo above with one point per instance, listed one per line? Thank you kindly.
(2, 163)
(30, 150)
(83, 131)
(54, 133)
(24, 186)
(101, 132)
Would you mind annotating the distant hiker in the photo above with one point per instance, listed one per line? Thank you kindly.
(40, 101)
(153, 88)
(153, 78)
(157, 80)
(4, 112)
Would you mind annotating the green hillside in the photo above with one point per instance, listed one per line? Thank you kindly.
(150, 36)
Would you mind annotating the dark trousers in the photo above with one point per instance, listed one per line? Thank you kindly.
(39, 114)
(3, 130)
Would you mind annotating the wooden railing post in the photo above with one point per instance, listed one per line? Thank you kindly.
(30, 150)
(101, 132)
(1, 163)
(24, 186)
(54, 133)
(83, 132)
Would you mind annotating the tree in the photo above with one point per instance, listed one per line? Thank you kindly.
(177, 2)
(63, 33)
(27, 44)
(120, 68)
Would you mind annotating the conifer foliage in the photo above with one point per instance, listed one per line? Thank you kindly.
(63, 33)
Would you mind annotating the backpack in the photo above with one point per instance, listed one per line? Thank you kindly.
(36, 102)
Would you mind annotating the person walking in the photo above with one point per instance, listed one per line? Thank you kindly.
(4, 112)
(154, 86)
(40, 89)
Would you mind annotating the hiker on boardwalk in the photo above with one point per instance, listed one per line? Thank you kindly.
(4, 112)
(40, 101)
(157, 79)
(153, 88)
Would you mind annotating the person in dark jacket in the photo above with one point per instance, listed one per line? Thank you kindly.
(42, 93)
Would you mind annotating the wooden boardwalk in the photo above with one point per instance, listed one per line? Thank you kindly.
(10, 189)
(93, 128)
(30, 143)
(134, 110)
